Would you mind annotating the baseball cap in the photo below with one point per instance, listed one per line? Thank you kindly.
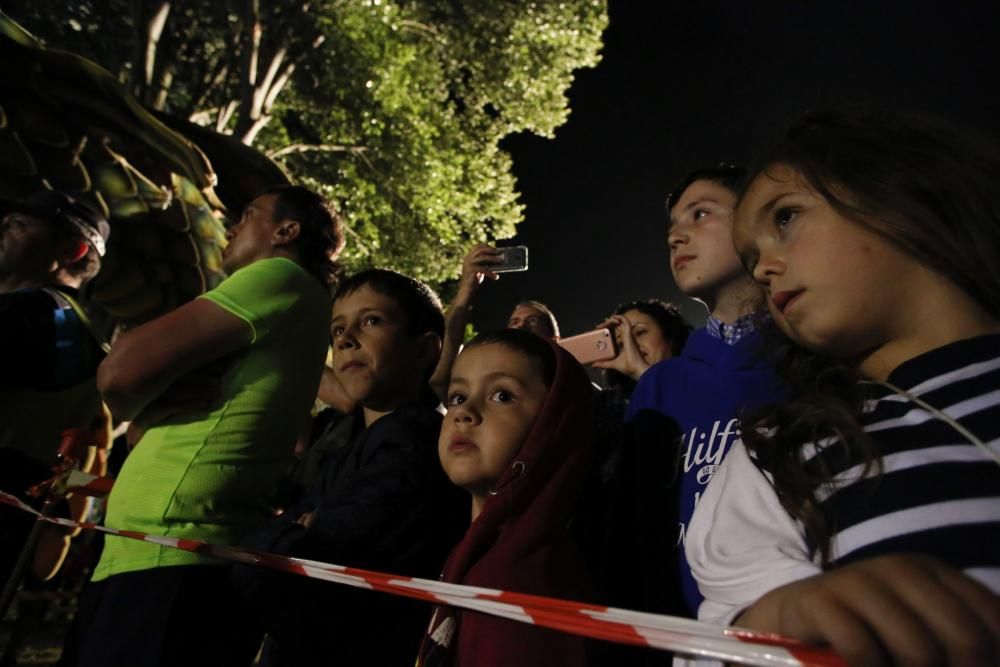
(60, 207)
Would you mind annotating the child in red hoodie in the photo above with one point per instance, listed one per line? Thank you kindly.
(517, 437)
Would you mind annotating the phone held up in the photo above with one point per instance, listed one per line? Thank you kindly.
(596, 345)
(512, 258)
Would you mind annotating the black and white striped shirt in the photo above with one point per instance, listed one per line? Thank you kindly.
(937, 494)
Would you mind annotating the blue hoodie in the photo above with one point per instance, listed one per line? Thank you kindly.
(704, 390)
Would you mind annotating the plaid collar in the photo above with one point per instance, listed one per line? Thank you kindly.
(730, 334)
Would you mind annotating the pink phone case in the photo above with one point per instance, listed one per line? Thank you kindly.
(597, 345)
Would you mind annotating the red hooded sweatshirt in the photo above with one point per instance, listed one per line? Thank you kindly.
(521, 542)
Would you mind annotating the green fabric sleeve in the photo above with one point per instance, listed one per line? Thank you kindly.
(260, 293)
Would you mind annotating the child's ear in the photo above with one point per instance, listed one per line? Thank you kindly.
(287, 231)
(428, 350)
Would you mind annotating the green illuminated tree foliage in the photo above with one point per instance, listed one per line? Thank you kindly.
(396, 109)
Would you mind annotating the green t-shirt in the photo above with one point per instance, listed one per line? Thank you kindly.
(212, 476)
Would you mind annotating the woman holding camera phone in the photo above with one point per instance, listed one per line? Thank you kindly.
(647, 332)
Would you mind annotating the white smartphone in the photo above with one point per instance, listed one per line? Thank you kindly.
(596, 345)
(512, 258)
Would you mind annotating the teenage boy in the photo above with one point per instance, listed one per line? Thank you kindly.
(382, 502)
(721, 370)
(250, 353)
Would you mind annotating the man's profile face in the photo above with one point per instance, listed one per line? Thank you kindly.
(27, 247)
(250, 239)
(532, 319)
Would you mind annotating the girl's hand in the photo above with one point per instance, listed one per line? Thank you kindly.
(899, 609)
(475, 267)
(629, 360)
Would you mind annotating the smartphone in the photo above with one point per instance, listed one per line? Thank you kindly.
(512, 258)
(596, 345)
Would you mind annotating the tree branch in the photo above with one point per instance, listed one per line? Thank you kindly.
(154, 30)
(262, 93)
(148, 24)
(272, 94)
(309, 148)
(250, 133)
(251, 55)
(226, 112)
(417, 26)
(162, 90)
(258, 94)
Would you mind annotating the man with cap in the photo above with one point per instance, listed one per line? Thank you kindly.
(50, 245)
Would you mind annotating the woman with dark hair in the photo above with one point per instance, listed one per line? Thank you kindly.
(648, 332)
(877, 238)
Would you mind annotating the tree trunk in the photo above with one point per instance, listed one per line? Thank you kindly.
(149, 27)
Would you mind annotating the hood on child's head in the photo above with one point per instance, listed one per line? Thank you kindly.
(548, 471)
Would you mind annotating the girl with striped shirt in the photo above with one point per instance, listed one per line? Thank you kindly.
(865, 513)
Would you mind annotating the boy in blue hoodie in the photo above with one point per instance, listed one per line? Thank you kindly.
(684, 411)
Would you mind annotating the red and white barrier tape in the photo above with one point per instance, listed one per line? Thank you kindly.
(669, 633)
(73, 481)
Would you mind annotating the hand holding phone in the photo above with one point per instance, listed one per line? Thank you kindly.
(629, 361)
(597, 345)
(512, 258)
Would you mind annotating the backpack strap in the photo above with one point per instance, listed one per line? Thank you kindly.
(63, 328)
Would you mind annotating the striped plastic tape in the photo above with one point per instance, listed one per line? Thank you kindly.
(680, 635)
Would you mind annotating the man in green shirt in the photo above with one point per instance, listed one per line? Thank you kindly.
(210, 472)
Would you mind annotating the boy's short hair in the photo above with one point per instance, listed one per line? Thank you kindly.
(729, 176)
(544, 310)
(419, 303)
(536, 348)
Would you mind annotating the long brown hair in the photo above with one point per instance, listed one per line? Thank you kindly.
(929, 189)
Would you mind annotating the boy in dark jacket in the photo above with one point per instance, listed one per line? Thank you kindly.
(381, 503)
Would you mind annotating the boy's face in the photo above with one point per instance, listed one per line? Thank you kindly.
(703, 258)
(376, 360)
(494, 396)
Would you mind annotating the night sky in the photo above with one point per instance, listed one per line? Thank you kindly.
(685, 85)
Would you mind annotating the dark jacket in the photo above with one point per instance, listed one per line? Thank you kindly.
(381, 503)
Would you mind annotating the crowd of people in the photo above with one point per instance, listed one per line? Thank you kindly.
(821, 460)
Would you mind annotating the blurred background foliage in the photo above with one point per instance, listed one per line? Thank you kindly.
(395, 110)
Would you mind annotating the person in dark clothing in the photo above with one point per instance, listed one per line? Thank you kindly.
(50, 246)
(382, 502)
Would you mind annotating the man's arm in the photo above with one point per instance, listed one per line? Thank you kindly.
(145, 361)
